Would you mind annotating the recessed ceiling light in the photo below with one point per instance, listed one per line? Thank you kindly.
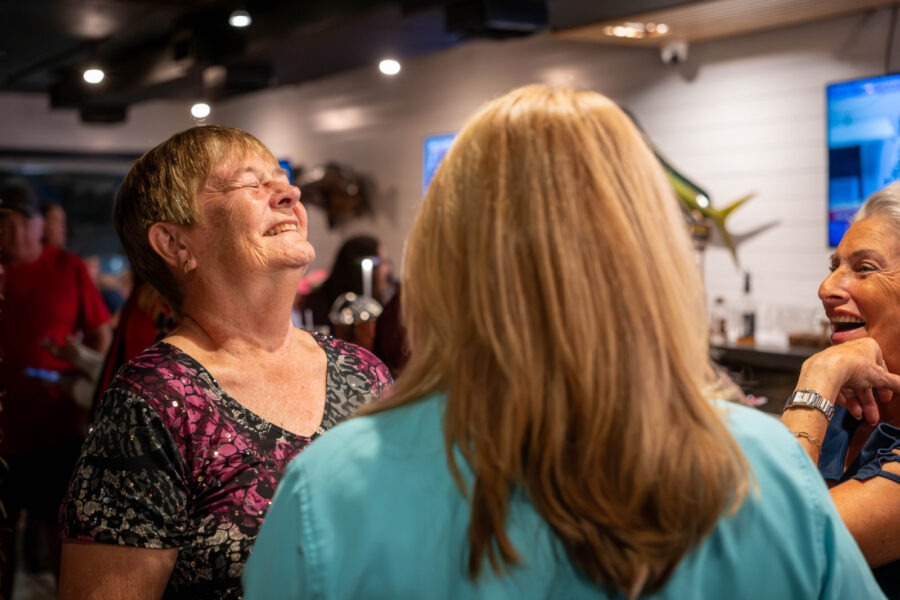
(636, 30)
(200, 110)
(240, 18)
(93, 75)
(389, 66)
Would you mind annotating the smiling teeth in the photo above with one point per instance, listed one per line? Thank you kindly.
(846, 320)
(846, 323)
(281, 228)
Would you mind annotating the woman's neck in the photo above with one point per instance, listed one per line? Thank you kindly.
(239, 322)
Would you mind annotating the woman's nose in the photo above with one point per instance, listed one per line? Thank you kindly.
(831, 290)
(286, 196)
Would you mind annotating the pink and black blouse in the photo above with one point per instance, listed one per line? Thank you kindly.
(172, 461)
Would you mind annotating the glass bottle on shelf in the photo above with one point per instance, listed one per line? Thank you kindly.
(748, 314)
(718, 331)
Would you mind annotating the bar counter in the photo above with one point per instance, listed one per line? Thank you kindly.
(763, 371)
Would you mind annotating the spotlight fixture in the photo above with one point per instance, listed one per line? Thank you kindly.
(93, 75)
(200, 110)
(240, 18)
(389, 66)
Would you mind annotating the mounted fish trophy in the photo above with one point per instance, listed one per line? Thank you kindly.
(705, 222)
(343, 193)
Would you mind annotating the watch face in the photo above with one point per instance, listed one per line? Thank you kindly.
(806, 398)
(811, 399)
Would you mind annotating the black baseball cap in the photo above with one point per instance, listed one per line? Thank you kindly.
(19, 196)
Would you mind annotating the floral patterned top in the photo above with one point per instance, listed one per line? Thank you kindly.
(172, 461)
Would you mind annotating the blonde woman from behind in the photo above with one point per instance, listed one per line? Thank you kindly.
(549, 437)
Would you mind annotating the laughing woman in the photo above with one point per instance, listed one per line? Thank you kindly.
(857, 443)
(192, 436)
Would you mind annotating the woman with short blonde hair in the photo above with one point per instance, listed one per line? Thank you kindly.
(193, 433)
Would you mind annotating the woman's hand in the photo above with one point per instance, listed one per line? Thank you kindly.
(852, 374)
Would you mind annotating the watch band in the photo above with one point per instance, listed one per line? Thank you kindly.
(810, 399)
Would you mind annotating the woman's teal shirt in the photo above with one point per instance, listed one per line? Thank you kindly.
(370, 511)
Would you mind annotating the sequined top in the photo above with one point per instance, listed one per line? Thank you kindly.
(172, 461)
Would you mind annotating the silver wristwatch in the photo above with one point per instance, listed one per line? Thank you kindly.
(810, 399)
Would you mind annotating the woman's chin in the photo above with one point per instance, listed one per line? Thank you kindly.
(302, 254)
(308, 255)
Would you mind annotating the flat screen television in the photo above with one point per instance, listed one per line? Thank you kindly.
(435, 148)
(863, 144)
(288, 169)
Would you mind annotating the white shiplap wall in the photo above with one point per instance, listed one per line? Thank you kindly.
(745, 114)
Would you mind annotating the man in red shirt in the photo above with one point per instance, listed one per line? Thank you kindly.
(47, 296)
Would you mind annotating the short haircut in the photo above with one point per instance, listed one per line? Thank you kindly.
(162, 187)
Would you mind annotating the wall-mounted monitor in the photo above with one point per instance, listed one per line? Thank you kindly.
(288, 169)
(434, 149)
(863, 144)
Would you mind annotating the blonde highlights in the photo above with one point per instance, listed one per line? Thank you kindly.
(550, 291)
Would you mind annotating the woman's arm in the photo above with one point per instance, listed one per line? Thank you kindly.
(108, 571)
(853, 374)
(871, 510)
(124, 515)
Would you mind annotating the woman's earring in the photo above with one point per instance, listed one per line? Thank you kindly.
(186, 266)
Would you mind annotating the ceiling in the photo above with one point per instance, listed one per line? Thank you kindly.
(704, 21)
(173, 49)
(155, 49)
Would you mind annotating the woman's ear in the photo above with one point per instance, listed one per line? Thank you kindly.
(166, 240)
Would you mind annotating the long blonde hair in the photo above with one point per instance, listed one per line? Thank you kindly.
(551, 292)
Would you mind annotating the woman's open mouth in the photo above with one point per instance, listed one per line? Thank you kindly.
(281, 229)
(843, 324)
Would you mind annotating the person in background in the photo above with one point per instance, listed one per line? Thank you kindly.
(346, 275)
(858, 448)
(114, 288)
(192, 435)
(47, 299)
(145, 318)
(550, 436)
(389, 343)
(301, 317)
(55, 231)
(353, 319)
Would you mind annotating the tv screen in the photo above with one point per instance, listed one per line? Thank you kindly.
(288, 169)
(435, 148)
(863, 144)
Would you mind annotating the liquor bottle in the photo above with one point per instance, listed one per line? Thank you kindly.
(718, 330)
(748, 314)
